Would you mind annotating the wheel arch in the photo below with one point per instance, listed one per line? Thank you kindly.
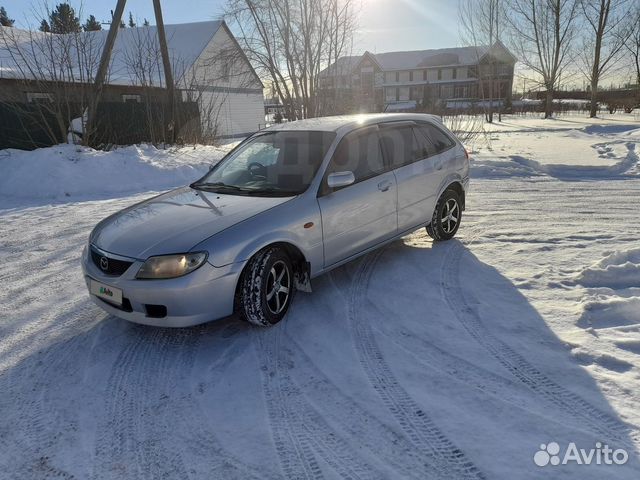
(301, 266)
(456, 186)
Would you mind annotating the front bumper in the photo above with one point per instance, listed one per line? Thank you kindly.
(198, 297)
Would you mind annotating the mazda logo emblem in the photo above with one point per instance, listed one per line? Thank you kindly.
(104, 263)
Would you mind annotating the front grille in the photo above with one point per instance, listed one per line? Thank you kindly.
(113, 267)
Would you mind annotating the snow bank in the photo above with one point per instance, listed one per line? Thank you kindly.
(615, 298)
(609, 312)
(74, 173)
(618, 270)
(487, 166)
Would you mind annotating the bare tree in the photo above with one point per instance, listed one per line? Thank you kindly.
(543, 32)
(290, 41)
(56, 71)
(482, 22)
(630, 37)
(602, 43)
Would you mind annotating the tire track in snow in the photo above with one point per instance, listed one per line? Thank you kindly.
(294, 450)
(380, 439)
(590, 417)
(126, 440)
(202, 442)
(36, 421)
(145, 375)
(444, 457)
(296, 423)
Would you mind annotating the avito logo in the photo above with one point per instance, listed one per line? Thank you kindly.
(106, 291)
(549, 454)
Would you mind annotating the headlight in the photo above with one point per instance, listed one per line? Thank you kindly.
(171, 266)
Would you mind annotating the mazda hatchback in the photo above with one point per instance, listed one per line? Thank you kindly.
(286, 205)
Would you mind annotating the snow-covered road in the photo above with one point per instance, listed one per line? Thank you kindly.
(453, 360)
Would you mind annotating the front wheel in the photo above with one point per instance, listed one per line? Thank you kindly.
(266, 288)
(446, 217)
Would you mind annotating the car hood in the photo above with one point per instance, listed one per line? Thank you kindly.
(175, 222)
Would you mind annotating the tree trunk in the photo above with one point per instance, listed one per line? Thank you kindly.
(548, 105)
(593, 111)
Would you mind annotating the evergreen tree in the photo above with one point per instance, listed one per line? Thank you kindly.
(146, 23)
(63, 19)
(132, 24)
(5, 21)
(91, 25)
(44, 26)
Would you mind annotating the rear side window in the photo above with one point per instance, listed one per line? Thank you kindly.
(359, 152)
(439, 139)
(404, 145)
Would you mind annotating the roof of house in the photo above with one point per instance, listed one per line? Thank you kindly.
(418, 59)
(24, 54)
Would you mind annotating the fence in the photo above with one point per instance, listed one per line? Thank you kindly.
(30, 126)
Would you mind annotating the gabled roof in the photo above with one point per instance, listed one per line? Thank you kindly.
(344, 66)
(417, 59)
(133, 45)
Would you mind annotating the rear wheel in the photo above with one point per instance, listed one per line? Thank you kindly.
(266, 288)
(446, 217)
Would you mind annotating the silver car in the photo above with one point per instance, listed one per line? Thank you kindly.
(286, 205)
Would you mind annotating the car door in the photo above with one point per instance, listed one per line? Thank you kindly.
(363, 214)
(446, 160)
(413, 159)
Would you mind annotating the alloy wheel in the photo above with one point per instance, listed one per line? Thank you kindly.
(278, 287)
(450, 215)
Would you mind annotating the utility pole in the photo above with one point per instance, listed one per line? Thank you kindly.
(102, 68)
(166, 62)
(105, 59)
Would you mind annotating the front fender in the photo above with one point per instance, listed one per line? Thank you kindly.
(286, 223)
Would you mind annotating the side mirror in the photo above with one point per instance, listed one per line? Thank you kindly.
(340, 179)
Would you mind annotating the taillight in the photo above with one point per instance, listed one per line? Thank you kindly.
(466, 154)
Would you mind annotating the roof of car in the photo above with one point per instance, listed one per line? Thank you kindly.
(351, 122)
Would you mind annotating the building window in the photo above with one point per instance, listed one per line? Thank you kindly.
(424, 75)
(455, 73)
(397, 94)
(472, 72)
(503, 69)
(131, 98)
(38, 97)
(397, 77)
(411, 76)
(439, 74)
(460, 91)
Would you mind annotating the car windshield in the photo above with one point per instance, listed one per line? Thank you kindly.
(277, 164)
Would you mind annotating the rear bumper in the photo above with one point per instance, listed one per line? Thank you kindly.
(199, 297)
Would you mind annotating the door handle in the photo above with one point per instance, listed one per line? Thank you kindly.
(384, 186)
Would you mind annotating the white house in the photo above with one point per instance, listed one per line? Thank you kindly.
(208, 65)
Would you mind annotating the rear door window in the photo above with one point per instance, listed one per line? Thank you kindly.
(440, 140)
(404, 145)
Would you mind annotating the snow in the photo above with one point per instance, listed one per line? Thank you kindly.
(22, 50)
(420, 360)
(72, 173)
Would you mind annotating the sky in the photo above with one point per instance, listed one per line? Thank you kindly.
(385, 25)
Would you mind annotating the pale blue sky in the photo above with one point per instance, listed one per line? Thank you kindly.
(385, 25)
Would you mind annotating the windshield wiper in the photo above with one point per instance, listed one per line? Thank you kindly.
(215, 186)
(271, 190)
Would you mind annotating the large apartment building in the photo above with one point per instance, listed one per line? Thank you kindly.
(450, 77)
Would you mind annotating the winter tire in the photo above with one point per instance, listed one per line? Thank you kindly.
(266, 288)
(446, 217)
